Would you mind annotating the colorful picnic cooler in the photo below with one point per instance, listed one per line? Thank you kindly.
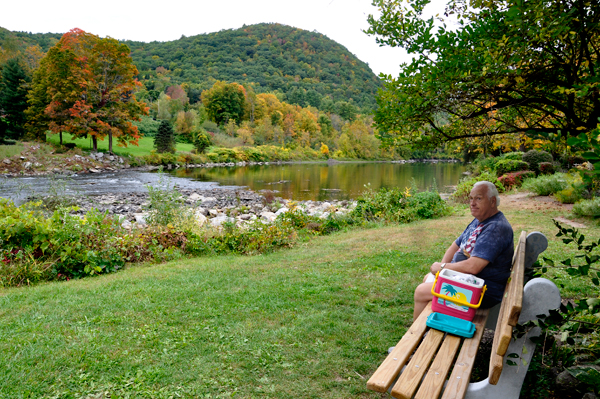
(457, 294)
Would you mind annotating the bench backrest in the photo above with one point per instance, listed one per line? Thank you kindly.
(510, 309)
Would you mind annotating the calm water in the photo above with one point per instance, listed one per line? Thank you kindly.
(303, 181)
(322, 181)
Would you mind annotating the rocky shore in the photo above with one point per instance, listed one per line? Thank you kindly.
(215, 206)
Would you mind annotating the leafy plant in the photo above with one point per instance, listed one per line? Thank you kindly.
(510, 165)
(573, 331)
(547, 185)
(512, 180)
(165, 203)
(535, 157)
(464, 187)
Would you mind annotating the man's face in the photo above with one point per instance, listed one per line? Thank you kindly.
(481, 206)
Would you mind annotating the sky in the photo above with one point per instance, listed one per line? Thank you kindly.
(166, 20)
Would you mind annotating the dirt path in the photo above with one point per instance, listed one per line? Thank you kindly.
(532, 202)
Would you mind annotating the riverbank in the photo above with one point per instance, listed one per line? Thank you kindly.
(41, 159)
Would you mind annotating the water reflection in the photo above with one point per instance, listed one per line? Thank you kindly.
(322, 181)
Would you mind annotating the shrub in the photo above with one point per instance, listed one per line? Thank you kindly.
(569, 195)
(546, 168)
(464, 187)
(535, 157)
(399, 205)
(201, 141)
(510, 165)
(546, 184)
(515, 179)
(587, 208)
(516, 155)
(166, 158)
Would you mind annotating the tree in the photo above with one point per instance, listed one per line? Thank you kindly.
(164, 141)
(224, 102)
(510, 67)
(85, 85)
(13, 99)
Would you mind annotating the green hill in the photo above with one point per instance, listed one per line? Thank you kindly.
(305, 67)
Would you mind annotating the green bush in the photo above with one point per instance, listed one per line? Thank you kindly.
(547, 184)
(464, 187)
(587, 208)
(569, 195)
(516, 155)
(535, 157)
(546, 168)
(201, 141)
(399, 205)
(510, 165)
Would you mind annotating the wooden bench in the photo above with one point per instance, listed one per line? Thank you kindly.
(418, 366)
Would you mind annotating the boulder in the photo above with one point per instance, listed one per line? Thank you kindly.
(200, 218)
(268, 216)
(220, 219)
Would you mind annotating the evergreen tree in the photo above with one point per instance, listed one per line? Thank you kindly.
(13, 99)
(164, 141)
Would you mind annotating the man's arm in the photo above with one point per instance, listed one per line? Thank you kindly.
(473, 265)
(450, 253)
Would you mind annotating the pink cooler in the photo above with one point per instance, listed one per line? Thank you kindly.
(457, 294)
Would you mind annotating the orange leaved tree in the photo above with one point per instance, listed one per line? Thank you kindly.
(85, 86)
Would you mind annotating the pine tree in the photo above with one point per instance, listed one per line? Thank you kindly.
(164, 141)
(13, 99)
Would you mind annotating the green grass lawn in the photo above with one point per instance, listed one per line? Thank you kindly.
(314, 321)
(146, 144)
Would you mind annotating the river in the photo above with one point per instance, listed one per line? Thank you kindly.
(298, 181)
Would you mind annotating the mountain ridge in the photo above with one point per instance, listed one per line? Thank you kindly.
(304, 67)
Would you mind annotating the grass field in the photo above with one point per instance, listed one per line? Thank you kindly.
(146, 144)
(309, 322)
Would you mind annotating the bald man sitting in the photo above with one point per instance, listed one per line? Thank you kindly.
(485, 249)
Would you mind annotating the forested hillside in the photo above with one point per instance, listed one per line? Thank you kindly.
(306, 68)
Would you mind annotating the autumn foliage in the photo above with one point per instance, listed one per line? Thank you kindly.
(85, 86)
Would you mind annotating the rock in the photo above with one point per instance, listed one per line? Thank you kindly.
(246, 216)
(195, 197)
(92, 170)
(6, 161)
(213, 212)
(126, 224)
(219, 220)
(324, 215)
(99, 155)
(268, 216)
(281, 210)
(203, 211)
(140, 218)
(200, 218)
(27, 165)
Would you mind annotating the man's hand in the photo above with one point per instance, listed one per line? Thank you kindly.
(435, 267)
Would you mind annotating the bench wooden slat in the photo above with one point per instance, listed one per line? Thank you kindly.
(510, 310)
(516, 282)
(412, 375)
(436, 375)
(459, 379)
(388, 371)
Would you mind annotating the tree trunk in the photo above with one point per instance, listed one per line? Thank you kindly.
(95, 143)
(110, 143)
(60, 137)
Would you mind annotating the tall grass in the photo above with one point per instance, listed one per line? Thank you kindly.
(7, 151)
